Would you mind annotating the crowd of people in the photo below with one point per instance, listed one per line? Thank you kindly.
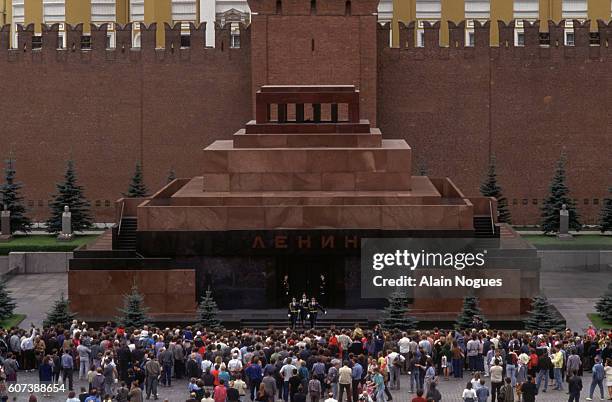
(333, 364)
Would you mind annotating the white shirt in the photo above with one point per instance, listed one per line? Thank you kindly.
(234, 365)
(206, 364)
(287, 371)
(331, 400)
(404, 345)
(391, 358)
(469, 393)
(28, 343)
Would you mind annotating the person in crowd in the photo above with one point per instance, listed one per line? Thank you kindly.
(379, 384)
(220, 393)
(314, 389)
(67, 368)
(497, 379)
(608, 371)
(574, 387)
(72, 397)
(469, 395)
(45, 375)
(135, 394)
(122, 392)
(344, 381)
(419, 397)
(84, 358)
(506, 392)
(597, 380)
(482, 393)
(557, 361)
(529, 390)
(433, 395)
(152, 375)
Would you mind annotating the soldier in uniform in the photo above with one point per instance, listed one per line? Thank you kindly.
(322, 288)
(286, 287)
(303, 310)
(294, 312)
(313, 311)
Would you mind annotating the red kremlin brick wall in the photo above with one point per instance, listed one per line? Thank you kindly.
(539, 103)
(455, 106)
(87, 104)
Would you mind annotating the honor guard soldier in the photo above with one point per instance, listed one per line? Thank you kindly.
(303, 310)
(313, 311)
(294, 312)
(286, 287)
(322, 288)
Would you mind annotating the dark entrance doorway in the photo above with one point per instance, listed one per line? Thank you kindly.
(318, 276)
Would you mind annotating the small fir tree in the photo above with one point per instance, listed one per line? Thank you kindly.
(490, 188)
(7, 304)
(134, 312)
(208, 312)
(604, 305)
(11, 197)
(60, 313)
(71, 194)
(470, 309)
(559, 195)
(171, 175)
(605, 217)
(543, 317)
(396, 314)
(137, 187)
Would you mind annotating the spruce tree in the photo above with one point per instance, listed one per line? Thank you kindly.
(208, 312)
(10, 196)
(60, 313)
(171, 175)
(604, 305)
(134, 311)
(543, 317)
(470, 309)
(71, 194)
(490, 188)
(605, 217)
(137, 187)
(559, 195)
(396, 314)
(7, 304)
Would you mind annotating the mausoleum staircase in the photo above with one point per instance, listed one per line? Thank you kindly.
(126, 239)
(483, 227)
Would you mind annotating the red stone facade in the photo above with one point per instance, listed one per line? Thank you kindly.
(456, 106)
(169, 294)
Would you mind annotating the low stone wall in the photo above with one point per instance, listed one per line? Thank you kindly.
(38, 263)
(4, 265)
(587, 260)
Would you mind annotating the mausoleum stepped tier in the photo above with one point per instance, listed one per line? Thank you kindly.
(309, 162)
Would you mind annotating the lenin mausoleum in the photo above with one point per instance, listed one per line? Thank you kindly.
(315, 126)
(283, 205)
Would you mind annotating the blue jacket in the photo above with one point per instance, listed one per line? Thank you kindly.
(598, 372)
(254, 372)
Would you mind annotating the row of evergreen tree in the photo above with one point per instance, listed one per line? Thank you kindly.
(542, 316)
(559, 194)
(68, 192)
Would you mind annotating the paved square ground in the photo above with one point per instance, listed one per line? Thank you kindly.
(35, 294)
